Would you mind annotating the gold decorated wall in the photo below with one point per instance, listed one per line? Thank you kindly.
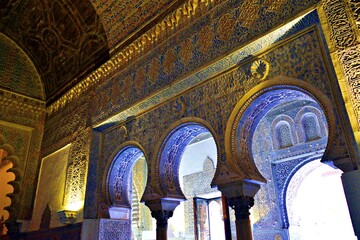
(340, 22)
(195, 63)
(50, 191)
(21, 124)
(211, 100)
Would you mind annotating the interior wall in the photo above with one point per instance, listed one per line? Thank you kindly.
(50, 191)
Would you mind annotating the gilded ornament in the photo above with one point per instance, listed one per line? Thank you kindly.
(143, 44)
(169, 60)
(153, 70)
(185, 53)
(249, 13)
(205, 40)
(260, 69)
(226, 27)
(179, 107)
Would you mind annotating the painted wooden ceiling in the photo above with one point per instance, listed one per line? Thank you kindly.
(67, 39)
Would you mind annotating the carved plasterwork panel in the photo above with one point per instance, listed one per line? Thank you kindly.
(344, 38)
(77, 168)
(18, 74)
(70, 126)
(22, 121)
(123, 18)
(20, 138)
(355, 8)
(171, 33)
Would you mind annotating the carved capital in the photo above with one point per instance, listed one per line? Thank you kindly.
(241, 205)
(162, 217)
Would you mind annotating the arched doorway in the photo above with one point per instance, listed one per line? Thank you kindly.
(277, 130)
(328, 217)
(126, 181)
(188, 159)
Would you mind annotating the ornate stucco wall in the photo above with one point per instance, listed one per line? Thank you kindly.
(21, 124)
(140, 94)
(213, 100)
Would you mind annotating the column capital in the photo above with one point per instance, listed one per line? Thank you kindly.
(162, 217)
(162, 209)
(163, 204)
(239, 189)
(242, 206)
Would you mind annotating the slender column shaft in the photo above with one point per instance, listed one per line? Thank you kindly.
(161, 217)
(242, 205)
(226, 218)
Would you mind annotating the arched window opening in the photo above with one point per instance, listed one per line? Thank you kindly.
(126, 183)
(190, 156)
(278, 165)
(196, 171)
(283, 134)
(311, 128)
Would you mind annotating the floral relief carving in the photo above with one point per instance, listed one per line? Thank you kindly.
(341, 32)
(225, 27)
(346, 45)
(355, 7)
(153, 70)
(205, 40)
(249, 13)
(186, 49)
(169, 60)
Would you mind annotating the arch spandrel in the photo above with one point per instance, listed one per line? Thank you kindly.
(250, 109)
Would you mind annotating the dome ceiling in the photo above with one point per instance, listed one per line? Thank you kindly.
(67, 39)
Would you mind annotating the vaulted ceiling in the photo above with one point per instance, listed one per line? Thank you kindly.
(67, 39)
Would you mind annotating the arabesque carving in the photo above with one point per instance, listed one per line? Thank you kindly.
(345, 40)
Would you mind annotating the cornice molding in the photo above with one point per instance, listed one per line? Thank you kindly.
(21, 102)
